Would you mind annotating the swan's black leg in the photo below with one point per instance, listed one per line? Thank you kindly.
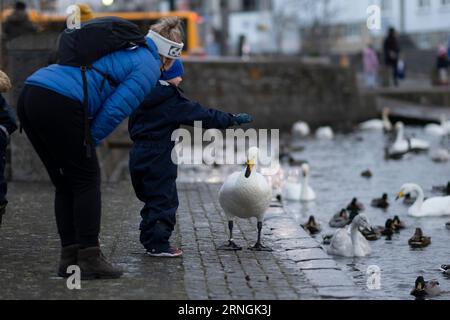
(230, 245)
(258, 246)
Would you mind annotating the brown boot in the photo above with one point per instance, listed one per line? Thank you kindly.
(93, 265)
(68, 258)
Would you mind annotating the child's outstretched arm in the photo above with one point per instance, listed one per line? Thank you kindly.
(191, 111)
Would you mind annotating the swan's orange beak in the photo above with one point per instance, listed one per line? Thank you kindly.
(250, 165)
(400, 195)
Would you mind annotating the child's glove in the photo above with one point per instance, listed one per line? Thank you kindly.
(242, 118)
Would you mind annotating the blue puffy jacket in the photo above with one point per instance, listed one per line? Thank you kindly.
(137, 72)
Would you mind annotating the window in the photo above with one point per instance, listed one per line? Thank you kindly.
(249, 5)
(424, 4)
(386, 4)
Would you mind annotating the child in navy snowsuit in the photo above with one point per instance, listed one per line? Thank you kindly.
(153, 173)
(7, 127)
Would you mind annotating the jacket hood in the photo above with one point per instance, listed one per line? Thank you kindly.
(159, 94)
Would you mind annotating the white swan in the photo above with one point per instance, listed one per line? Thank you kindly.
(436, 206)
(378, 124)
(300, 129)
(349, 242)
(438, 130)
(307, 193)
(300, 191)
(246, 194)
(400, 145)
(324, 133)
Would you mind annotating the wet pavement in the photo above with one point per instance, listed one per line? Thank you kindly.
(29, 250)
(297, 268)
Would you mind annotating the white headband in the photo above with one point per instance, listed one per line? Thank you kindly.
(166, 47)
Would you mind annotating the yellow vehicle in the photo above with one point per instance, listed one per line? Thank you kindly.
(57, 23)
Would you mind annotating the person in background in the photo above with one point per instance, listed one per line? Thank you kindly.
(442, 64)
(371, 66)
(18, 23)
(391, 53)
(7, 127)
(153, 172)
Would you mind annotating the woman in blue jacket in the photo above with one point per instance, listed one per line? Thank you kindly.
(50, 110)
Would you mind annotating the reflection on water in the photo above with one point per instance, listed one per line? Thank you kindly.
(336, 168)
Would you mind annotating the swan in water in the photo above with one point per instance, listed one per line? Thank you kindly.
(302, 191)
(403, 145)
(438, 130)
(378, 124)
(400, 146)
(349, 242)
(307, 193)
(300, 129)
(436, 206)
(245, 195)
(324, 133)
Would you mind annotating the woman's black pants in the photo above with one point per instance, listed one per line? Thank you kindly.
(54, 125)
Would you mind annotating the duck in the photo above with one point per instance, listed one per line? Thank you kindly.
(438, 130)
(355, 205)
(371, 234)
(300, 129)
(349, 242)
(424, 288)
(440, 155)
(325, 133)
(326, 239)
(445, 268)
(366, 174)
(409, 199)
(445, 190)
(246, 194)
(389, 229)
(436, 206)
(340, 219)
(398, 224)
(381, 203)
(378, 124)
(302, 191)
(418, 240)
(312, 226)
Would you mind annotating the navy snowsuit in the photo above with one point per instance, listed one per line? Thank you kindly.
(153, 173)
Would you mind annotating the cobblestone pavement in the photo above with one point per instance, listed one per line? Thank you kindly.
(297, 268)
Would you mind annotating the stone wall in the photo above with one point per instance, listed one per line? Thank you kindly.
(24, 56)
(278, 93)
